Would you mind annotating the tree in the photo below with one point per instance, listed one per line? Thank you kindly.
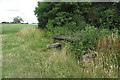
(18, 19)
(58, 14)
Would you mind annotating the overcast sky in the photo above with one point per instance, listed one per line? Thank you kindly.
(23, 8)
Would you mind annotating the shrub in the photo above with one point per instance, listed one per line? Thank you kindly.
(88, 39)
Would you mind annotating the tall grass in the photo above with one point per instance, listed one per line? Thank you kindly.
(108, 48)
(24, 57)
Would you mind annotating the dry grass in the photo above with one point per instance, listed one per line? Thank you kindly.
(108, 49)
(106, 44)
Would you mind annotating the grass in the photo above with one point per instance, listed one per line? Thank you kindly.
(0, 53)
(24, 57)
(13, 28)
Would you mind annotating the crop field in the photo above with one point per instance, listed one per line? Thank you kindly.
(13, 28)
(24, 56)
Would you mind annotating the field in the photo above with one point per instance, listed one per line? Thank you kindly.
(7, 29)
(24, 56)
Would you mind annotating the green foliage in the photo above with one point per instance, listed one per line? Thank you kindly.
(18, 19)
(101, 15)
(59, 14)
(79, 49)
(60, 19)
(105, 32)
(104, 15)
(89, 39)
(41, 13)
(66, 29)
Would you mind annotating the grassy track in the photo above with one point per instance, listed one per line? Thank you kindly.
(24, 57)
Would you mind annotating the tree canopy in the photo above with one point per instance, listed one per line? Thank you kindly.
(18, 19)
(58, 14)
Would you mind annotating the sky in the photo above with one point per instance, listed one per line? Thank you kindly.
(23, 8)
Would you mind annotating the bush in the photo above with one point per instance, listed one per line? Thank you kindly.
(68, 28)
(88, 39)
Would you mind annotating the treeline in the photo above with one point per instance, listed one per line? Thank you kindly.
(79, 14)
(13, 23)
